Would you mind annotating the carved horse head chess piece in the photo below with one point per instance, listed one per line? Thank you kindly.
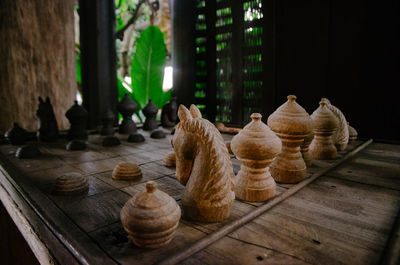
(203, 165)
(48, 128)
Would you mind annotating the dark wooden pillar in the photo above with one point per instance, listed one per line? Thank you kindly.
(183, 49)
(97, 36)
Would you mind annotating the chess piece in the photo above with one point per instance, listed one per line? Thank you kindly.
(27, 151)
(255, 147)
(150, 217)
(325, 124)
(16, 135)
(341, 135)
(150, 111)
(111, 140)
(136, 138)
(71, 184)
(169, 113)
(77, 116)
(228, 146)
(203, 165)
(108, 122)
(157, 134)
(352, 134)
(127, 171)
(48, 128)
(292, 124)
(75, 145)
(169, 160)
(304, 149)
(127, 107)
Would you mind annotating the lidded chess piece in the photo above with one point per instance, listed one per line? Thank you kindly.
(48, 128)
(108, 121)
(150, 217)
(169, 113)
(255, 147)
(150, 111)
(341, 135)
(292, 124)
(304, 149)
(16, 135)
(77, 116)
(325, 124)
(127, 107)
(352, 133)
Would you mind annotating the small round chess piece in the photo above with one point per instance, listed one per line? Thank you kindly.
(127, 171)
(77, 116)
(71, 184)
(127, 107)
(136, 138)
(108, 122)
(150, 217)
(325, 124)
(16, 135)
(304, 148)
(111, 140)
(27, 151)
(169, 113)
(150, 111)
(158, 134)
(255, 147)
(75, 145)
(292, 124)
(170, 160)
(352, 133)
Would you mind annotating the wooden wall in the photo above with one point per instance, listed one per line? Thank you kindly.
(347, 51)
(37, 58)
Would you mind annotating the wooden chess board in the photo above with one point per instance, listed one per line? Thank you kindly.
(345, 216)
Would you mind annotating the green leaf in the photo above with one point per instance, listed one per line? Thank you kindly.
(78, 68)
(147, 68)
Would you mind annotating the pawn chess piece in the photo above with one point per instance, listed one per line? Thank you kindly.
(27, 151)
(150, 217)
(255, 147)
(341, 135)
(75, 145)
(158, 134)
(292, 124)
(304, 148)
(136, 138)
(352, 134)
(71, 184)
(169, 113)
(127, 107)
(325, 124)
(170, 160)
(111, 140)
(77, 116)
(127, 171)
(48, 128)
(16, 135)
(150, 111)
(108, 122)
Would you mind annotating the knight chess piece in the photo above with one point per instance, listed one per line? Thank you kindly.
(150, 112)
(203, 165)
(304, 148)
(325, 124)
(341, 135)
(77, 116)
(127, 107)
(108, 122)
(352, 134)
(48, 128)
(169, 113)
(150, 217)
(292, 124)
(255, 147)
(16, 135)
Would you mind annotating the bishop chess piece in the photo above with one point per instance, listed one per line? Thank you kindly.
(77, 116)
(127, 107)
(150, 112)
(255, 147)
(325, 124)
(169, 113)
(292, 124)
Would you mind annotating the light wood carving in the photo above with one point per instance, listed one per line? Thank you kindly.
(325, 124)
(203, 165)
(127, 171)
(341, 136)
(71, 184)
(292, 124)
(255, 147)
(169, 160)
(150, 217)
(304, 148)
(352, 133)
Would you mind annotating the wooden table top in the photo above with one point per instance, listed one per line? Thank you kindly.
(345, 216)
